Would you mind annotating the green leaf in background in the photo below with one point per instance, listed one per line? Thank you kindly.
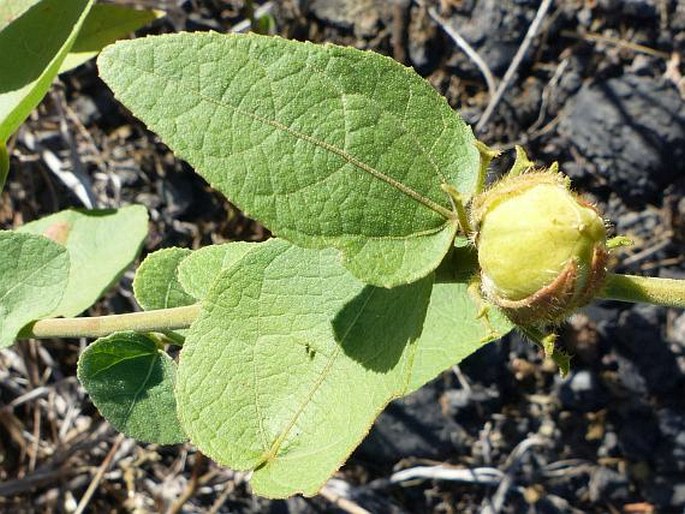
(328, 146)
(291, 361)
(4, 164)
(101, 245)
(131, 382)
(198, 272)
(33, 275)
(105, 24)
(33, 46)
(10, 10)
(156, 284)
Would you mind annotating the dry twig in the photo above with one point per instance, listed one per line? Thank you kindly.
(515, 63)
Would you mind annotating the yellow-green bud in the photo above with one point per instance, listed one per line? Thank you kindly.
(541, 248)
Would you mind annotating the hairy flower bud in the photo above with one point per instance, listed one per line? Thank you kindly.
(541, 248)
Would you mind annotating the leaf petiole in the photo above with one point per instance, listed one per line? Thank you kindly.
(100, 326)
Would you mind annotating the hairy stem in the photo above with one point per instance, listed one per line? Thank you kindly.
(632, 288)
(99, 326)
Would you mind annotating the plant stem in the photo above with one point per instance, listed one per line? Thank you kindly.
(99, 326)
(631, 288)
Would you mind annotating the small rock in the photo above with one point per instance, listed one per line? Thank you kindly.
(583, 391)
(671, 450)
(608, 485)
(667, 492)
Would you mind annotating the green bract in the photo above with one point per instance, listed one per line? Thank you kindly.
(541, 249)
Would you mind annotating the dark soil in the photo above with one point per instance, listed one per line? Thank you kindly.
(600, 90)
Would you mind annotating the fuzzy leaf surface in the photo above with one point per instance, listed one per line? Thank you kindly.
(156, 284)
(198, 272)
(105, 24)
(131, 382)
(328, 146)
(33, 274)
(291, 361)
(101, 245)
(34, 40)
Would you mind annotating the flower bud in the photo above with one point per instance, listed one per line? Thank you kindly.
(541, 248)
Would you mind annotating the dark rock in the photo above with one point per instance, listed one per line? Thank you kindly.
(583, 391)
(667, 492)
(362, 16)
(646, 364)
(607, 485)
(632, 130)
(640, 8)
(671, 450)
(638, 432)
(413, 426)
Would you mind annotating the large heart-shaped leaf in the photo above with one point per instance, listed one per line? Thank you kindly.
(33, 275)
(290, 362)
(328, 146)
(131, 382)
(35, 37)
(101, 245)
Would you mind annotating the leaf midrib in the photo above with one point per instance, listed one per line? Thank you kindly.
(402, 188)
(273, 450)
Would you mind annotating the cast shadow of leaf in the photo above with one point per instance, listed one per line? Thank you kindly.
(376, 326)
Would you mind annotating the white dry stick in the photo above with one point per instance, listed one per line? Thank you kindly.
(337, 492)
(515, 63)
(482, 476)
(468, 50)
(494, 506)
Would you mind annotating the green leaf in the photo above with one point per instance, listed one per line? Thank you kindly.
(101, 245)
(33, 275)
(198, 272)
(452, 331)
(328, 146)
(291, 361)
(131, 382)
(10, 10)
(33, 45)
(105, 24)
(458, 321)
(156, 284)
(4, 164)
